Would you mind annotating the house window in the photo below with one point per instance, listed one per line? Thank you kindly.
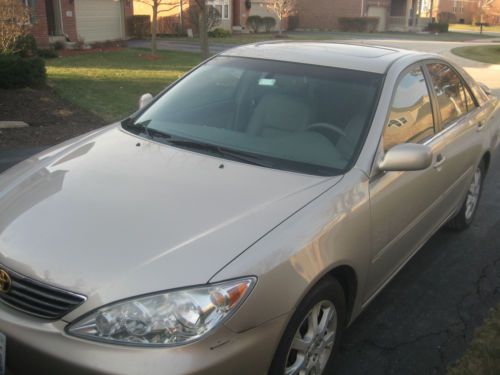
(30, 3)
(458, 7)
(222, 7)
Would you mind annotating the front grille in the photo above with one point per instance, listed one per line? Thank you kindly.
(38, 299)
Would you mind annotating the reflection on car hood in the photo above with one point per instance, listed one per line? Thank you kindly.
(109, 218)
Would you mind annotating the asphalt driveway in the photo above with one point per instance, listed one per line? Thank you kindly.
(425, 318)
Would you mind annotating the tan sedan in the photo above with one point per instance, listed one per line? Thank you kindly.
(240, 220)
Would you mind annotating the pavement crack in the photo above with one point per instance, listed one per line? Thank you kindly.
(413, 341)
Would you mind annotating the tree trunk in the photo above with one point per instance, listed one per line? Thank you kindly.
(205, 52)
(280, 26)
(414, 16)
(181, 16)
(432, 10)
(154, 29)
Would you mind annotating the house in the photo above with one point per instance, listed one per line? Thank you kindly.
(234, 13)
(394, 15)
(465, 11)
(73, 20)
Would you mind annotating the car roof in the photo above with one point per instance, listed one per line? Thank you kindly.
(366, 58)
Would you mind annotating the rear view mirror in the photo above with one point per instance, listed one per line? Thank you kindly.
(145, 100)
(407, 157)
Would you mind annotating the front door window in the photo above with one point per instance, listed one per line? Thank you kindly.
(411, 119)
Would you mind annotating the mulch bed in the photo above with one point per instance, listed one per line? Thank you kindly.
(52, 120)
(75, 52)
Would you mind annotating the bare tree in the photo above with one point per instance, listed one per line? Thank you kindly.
(203, 27)
(158, 7)
(282, 9)
(14, 23)
(483, 6)
(431, 11)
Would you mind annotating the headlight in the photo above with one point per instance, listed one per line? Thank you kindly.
(163, 319)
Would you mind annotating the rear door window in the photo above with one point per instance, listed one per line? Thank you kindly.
(452, 97)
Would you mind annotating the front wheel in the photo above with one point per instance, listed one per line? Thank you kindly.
(467, 212)
(313, 334)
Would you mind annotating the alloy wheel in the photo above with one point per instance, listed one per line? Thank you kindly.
(473, 195)
(313, 342)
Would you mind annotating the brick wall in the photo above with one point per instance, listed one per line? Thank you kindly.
(39, 29)
(323, 14)
(469, 13)
(128, 10)
(69, 19)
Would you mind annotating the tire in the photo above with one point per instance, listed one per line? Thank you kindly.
(327, 302)
(464, 218)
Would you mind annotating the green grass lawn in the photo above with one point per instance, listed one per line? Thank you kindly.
(489, 54)
(110, 83)
(460, 27)
(332, 35)
(483, 356)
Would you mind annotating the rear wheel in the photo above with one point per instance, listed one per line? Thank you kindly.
(313, 334)
(467, 212)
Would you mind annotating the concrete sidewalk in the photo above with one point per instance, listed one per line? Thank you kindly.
(180, 46)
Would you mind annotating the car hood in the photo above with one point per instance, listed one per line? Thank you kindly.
(110, 215)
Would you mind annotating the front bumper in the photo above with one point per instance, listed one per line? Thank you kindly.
(38, 347)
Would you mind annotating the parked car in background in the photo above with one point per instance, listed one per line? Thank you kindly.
(240, 220)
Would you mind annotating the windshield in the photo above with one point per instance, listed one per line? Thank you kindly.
(289, 116)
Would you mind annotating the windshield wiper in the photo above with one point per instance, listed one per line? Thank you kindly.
(168, 138)
(221, 151)
(137, 126)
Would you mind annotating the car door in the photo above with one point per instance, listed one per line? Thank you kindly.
(406, 207)
(461, 122)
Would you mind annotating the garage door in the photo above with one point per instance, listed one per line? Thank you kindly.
(99, 20)
(381, 13)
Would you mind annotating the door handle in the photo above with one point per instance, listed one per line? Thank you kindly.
(480, 126)
(440, 160)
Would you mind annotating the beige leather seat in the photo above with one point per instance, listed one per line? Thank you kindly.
(279, 114)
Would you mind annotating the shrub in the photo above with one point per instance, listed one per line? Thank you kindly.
(359, 24)
(14, 24)
(139, 26)
(269, 23)
(437, 27)
(107, 44)
(447, 17)
(25, 46)
(16, 71)
(59, 45)
(47, 53)
(219, 33)
(254, 23)
(79, 44)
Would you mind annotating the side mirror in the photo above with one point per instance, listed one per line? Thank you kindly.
(407, 157)
(485, 88)
(145, 100)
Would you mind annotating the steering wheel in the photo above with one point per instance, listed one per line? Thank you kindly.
(323, 127)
